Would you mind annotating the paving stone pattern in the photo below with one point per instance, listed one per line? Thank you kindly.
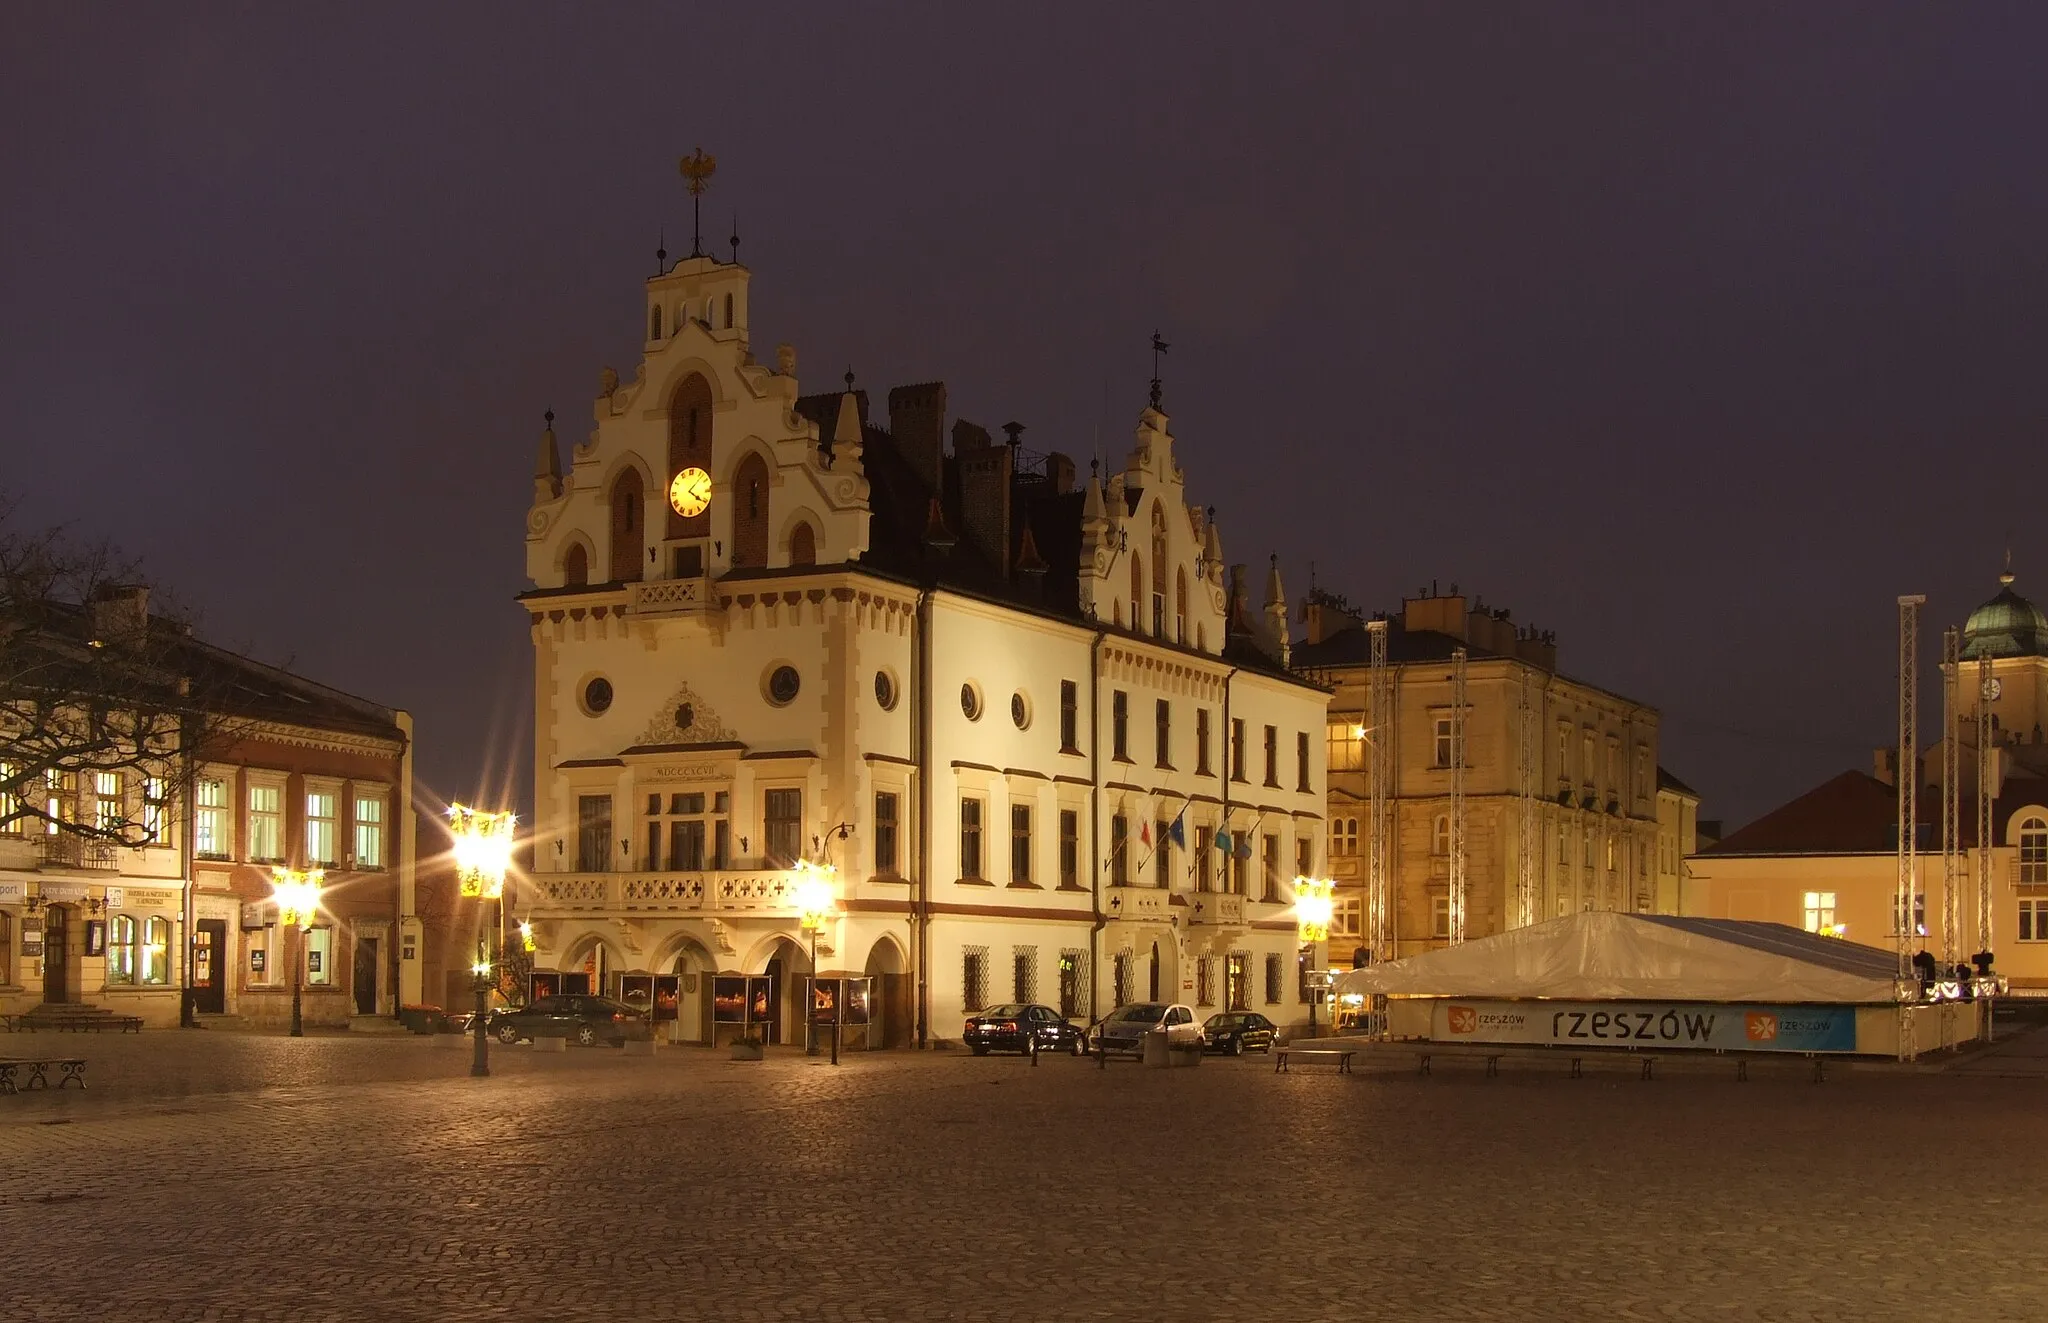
(242, 1177)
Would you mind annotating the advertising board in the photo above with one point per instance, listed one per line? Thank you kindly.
(1662, 1025)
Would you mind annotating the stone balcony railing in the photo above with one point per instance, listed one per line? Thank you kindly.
(1216, 908)
(766, 891)
(652, 596)
(1145, 903)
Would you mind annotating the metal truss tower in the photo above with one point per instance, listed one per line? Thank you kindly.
(1986, 793)
(1379, 725)
(1457, 886)
(1951, 798)
(1530, 843)
(1906, 775)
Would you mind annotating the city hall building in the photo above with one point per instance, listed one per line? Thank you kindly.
(1024, 717)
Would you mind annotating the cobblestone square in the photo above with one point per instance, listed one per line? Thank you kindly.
(236, 1176)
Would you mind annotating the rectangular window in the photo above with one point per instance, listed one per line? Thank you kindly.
(1202, 767)
(1237, 748)
(1273, 756)
(1020, 847)
(1304, 856)
(319, 944)
(155, 795)
(266, 824)
(1240, 864)
(210, 818)
(1919, 928)
(1440, 918)
(1120, 978)
(1564, 751)
(108, 812)
(2034, 921)
(1269, 867)
(322, 807)
(1344, 750)
(1162, 733)
(121, 945)
(970, 839)
(10, 814)
(1642, 772)
(1202, 997)
(783, 826)
(1586, 759)
(1120, 726)
(1070, 717)
(1205, 867)
(1301, 761)
(1070, 850)
(885, 833)
(369, 829)
(155, 957)
(1162, 856)
(1820, 911)
(1073, 983)
(1237, 981)
(1347, 918)
(1444, 753)
(594, 833)
(974, 978)
(685, 845)
(1024, 974)
(1564, 845)
(1273, 976)
(1119, 851)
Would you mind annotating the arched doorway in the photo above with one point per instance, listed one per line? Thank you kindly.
(58, 984)
(787, 969)
(682, 993)
(889, 996)
(591, 968)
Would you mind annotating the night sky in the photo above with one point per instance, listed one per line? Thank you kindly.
(1696, 334)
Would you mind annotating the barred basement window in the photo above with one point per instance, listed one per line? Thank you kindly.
(1024, 973)
(974, 977)
(1121, 982)
(1073, 982)
(1272, 980)
(1202, 981)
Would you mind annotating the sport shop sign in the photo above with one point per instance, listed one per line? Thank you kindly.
(1647, 1024)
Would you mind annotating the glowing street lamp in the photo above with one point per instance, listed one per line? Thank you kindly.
(483, 855)
(1314, 905)
(297, 893)
(817, 903)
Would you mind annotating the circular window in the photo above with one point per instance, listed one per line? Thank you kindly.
(783, 682)
(686, 717)
(1020, 710)
(970, 702)
(597, 695)
(885, 691)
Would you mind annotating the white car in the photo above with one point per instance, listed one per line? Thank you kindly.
(1124, 1029)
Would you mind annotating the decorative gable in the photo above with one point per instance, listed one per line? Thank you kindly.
(686, 719)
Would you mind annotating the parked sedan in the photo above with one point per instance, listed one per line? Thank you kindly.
(1124, 1029)
(1019, 1027)
(586, 1021)
(1238, 1032)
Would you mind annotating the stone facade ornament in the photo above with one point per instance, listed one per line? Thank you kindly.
(686, 719)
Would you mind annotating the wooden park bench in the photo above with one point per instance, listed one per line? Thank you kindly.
(1321, 1055)
(77, 1024)
(38, 1068)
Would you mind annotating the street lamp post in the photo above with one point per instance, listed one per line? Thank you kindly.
(483, 855)
(297, 892)
(1314, 904)
(814, 900)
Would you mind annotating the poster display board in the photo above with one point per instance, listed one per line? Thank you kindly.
(1704, 1026)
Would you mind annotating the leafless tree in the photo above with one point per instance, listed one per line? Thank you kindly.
(95, 684)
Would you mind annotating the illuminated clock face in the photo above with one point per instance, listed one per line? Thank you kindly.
(690, 493)
(1992, 689)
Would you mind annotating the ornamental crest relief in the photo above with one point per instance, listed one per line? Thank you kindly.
(686, 719)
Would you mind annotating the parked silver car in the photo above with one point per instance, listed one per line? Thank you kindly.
(1124, 1029)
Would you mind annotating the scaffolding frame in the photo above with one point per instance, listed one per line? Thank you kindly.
(1530, 843)
(1379, 726)
(1906, 776)
(1951, 798)
(1457, 880)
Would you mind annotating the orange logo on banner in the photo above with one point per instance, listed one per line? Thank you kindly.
(1760, 1028)
(1464, 1020)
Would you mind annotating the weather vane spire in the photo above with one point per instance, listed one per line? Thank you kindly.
(1159, 348)
(697, 170)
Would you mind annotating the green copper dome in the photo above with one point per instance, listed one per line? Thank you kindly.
(2006, 626)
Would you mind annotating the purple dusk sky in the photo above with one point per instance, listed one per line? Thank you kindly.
(1694, 333)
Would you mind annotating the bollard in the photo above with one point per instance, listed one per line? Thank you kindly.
(1034, 1052)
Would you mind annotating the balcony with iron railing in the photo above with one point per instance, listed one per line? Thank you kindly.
(64, 850)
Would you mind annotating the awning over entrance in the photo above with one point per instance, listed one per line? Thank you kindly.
(1643, 957)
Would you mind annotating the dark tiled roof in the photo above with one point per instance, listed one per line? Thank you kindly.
(1666, 781)
(1855, 813)
(1352, 646)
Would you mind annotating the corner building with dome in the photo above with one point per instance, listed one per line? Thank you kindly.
(1024, 721)
(1828, 860)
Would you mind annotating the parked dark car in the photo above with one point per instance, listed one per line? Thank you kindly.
(1017, 1027)
(586, 1021)
(1239, 1032)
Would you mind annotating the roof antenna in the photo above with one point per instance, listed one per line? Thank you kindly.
(1159, 348)
(735, 238)
(661, 253)
(697, 170)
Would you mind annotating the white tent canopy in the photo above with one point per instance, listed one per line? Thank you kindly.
(1642, 957)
